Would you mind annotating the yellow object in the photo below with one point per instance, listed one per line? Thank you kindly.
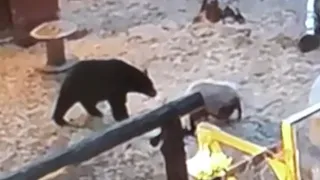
(210, 161)
(205, 165)
(279, 168)
(289, 141)
(290, 150)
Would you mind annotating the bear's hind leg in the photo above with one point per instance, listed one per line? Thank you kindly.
(62, 105)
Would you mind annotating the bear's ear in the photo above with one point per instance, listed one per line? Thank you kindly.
(145, 71)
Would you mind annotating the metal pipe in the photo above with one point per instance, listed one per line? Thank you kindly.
(310, 22)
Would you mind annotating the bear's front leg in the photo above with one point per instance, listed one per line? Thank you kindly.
(91, 107)
(118, 108)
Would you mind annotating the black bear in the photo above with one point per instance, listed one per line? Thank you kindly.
(91, 81)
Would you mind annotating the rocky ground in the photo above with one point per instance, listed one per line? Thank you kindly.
(274, 76)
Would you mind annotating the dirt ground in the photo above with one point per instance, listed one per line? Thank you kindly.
(274, 76)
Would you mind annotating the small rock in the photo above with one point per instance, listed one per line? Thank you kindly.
(97, 46)
(260, 68)
(265, 102)
(169, 24)
(145, 13)
(239, 79)
(284, 41)
(132, 5)
(242, 41)
(203, 32)
(178, 60)
(148, 32)
(182, 9)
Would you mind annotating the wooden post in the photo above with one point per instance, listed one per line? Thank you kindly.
(55, 52)
(209, 11)
(173, 150)
(213, 11)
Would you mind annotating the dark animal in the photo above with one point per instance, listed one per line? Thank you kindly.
(238, 17)
(227, 12)
(95, 80)
(221, 100)
(308, 43)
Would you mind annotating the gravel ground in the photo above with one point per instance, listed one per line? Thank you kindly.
(274, 76)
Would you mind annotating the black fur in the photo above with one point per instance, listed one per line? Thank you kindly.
(236, 15)
(228, 12)
(92, 81)
(239, 17)
(309, 43)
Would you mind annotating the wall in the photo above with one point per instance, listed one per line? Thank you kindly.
(27, 15)
(5, 16)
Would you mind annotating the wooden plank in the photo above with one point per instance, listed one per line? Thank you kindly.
(173, 150)
(109, 138)
(240, 166)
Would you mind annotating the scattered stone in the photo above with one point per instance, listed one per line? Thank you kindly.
(203, 32)
(263, 105)
(148, 32)
(260, 68)
(169, 25)
(242, 42)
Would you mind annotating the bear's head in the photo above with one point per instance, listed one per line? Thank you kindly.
(142, 83)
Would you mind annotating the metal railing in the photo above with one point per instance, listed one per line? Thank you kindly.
(166, 117)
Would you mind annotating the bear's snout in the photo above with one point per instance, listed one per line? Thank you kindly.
(152, 93)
